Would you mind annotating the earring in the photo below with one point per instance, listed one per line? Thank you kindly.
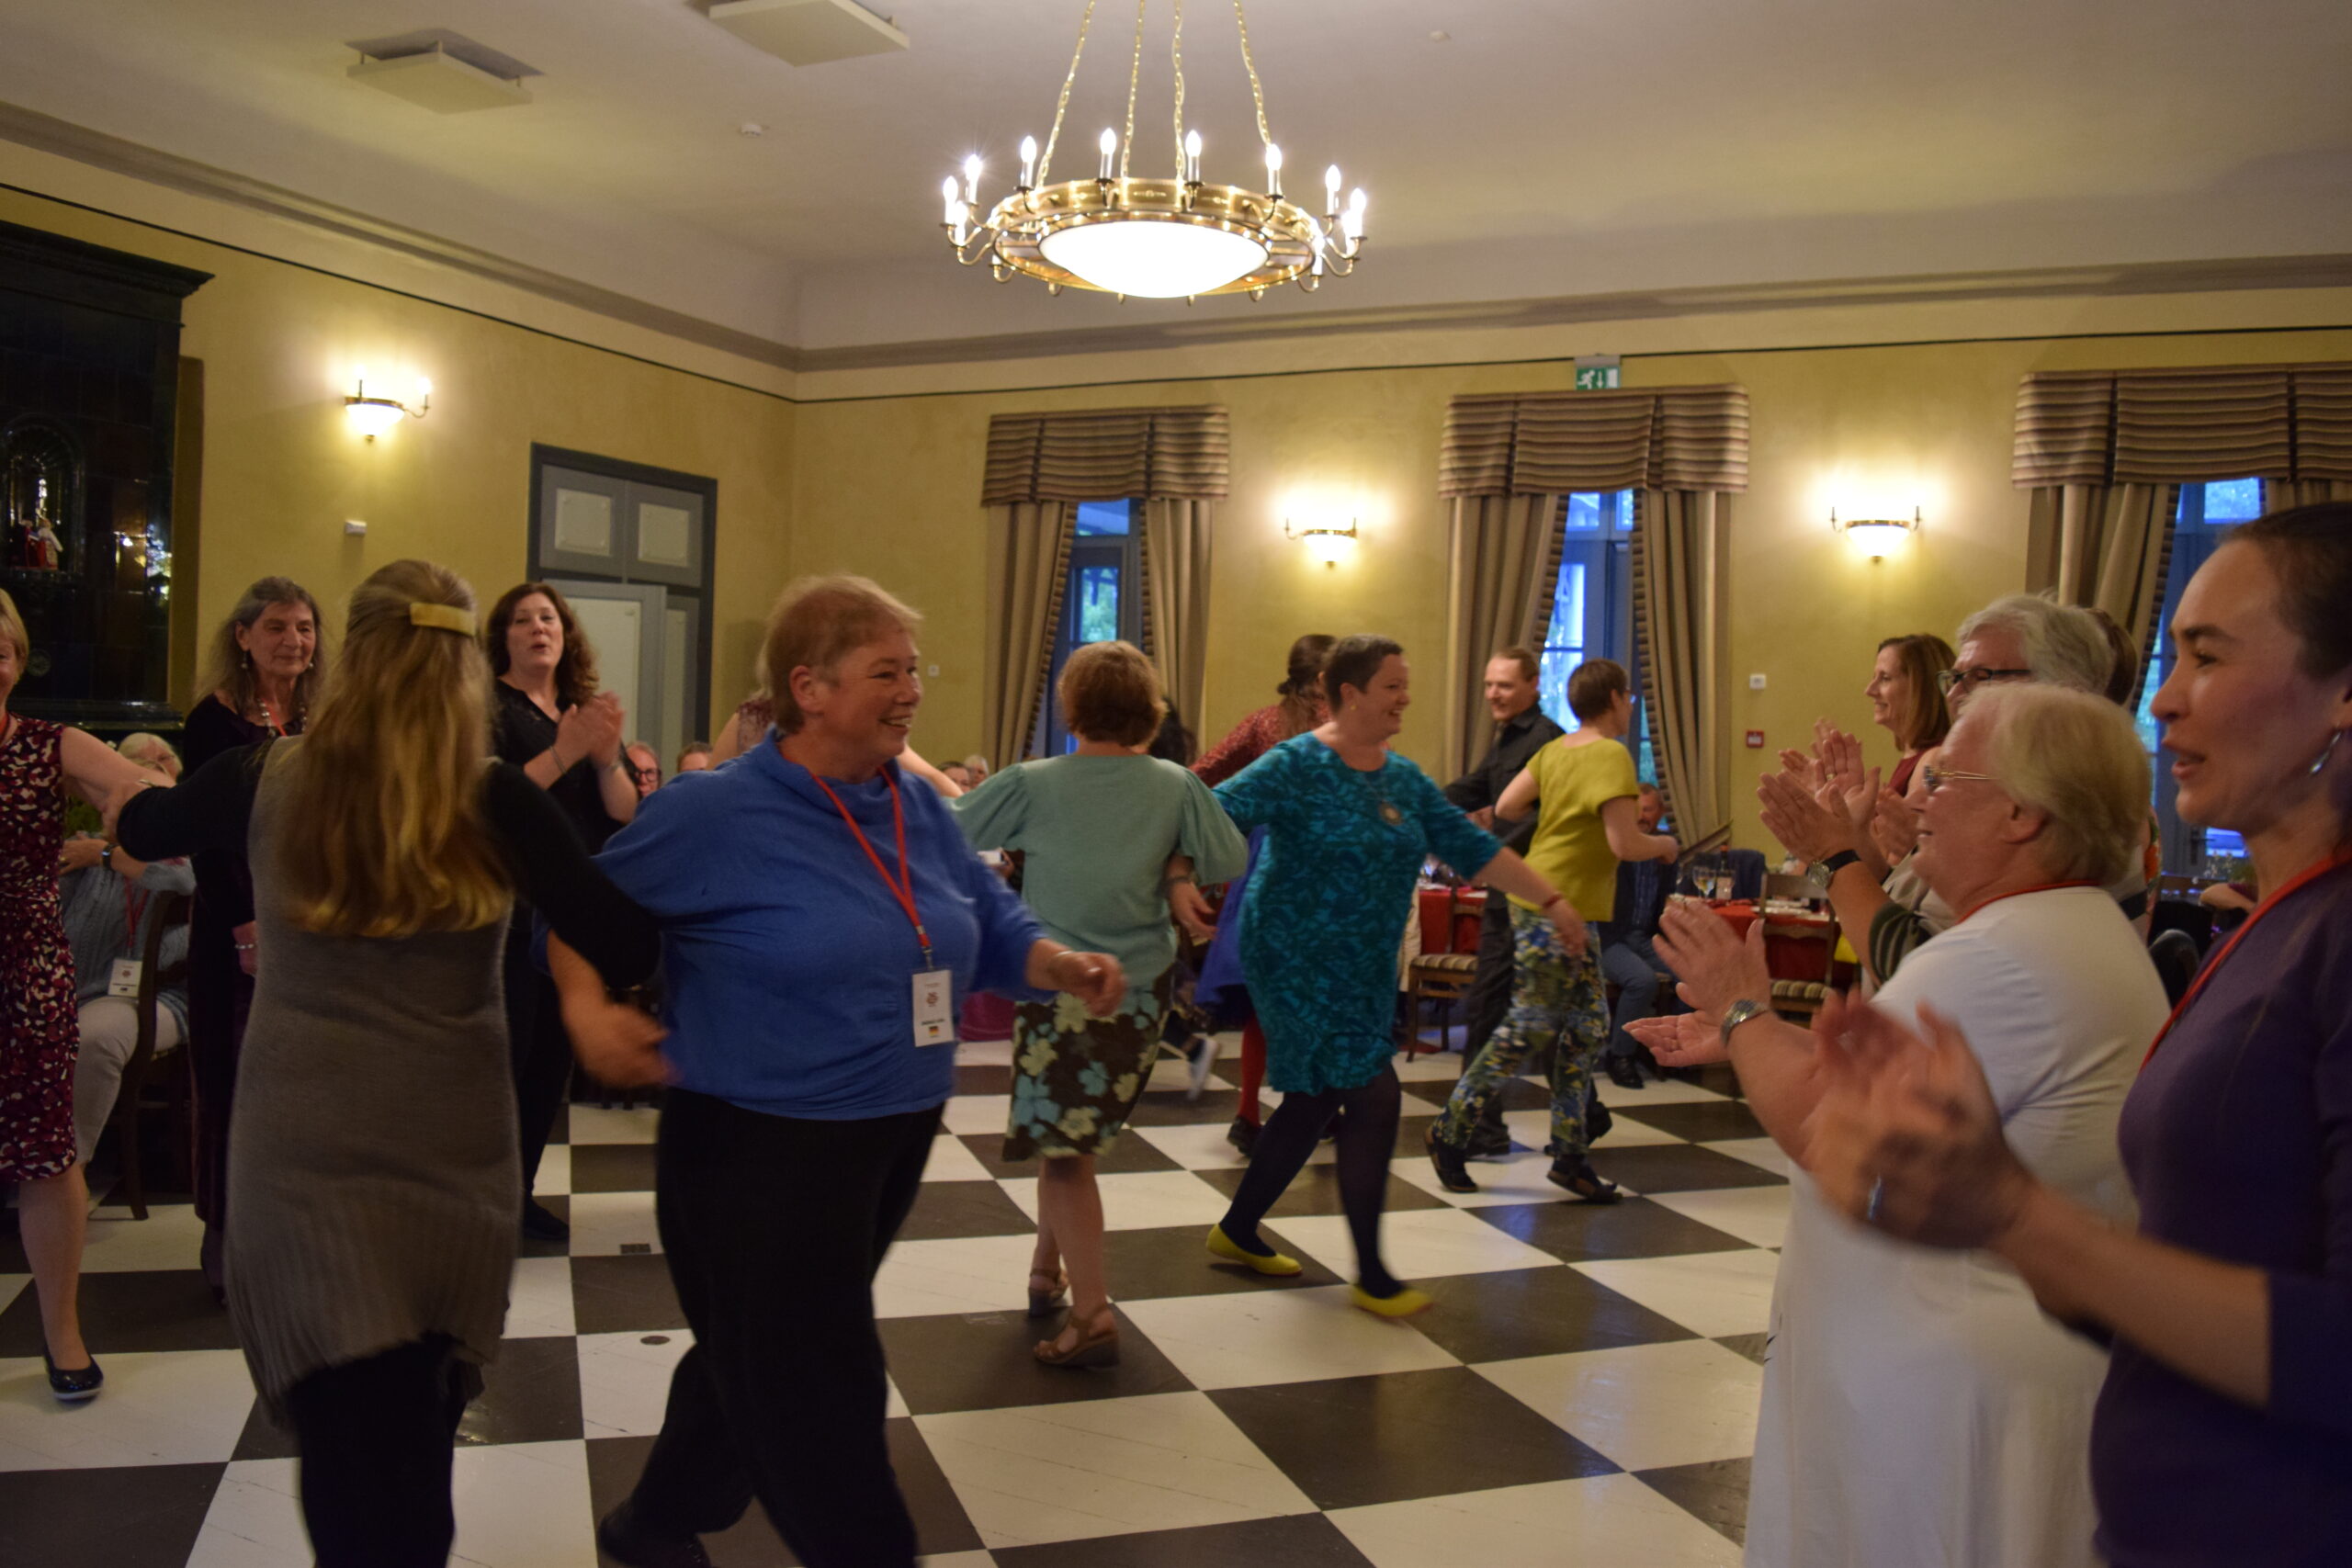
(2326, 751)
(247, 656)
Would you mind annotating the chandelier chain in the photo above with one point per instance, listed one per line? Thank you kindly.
(1257, 93)
(1176, 54)
(1062, 107)
(1134, 75)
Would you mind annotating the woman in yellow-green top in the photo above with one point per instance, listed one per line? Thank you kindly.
(1587, 824)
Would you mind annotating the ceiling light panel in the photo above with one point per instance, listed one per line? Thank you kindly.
(809, 32)
(442, 70)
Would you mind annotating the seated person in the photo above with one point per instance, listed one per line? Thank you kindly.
(1627, 960)
(644, 767)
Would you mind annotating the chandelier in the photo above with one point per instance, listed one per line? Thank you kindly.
(1156, 237)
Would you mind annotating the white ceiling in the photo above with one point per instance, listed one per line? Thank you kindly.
(1548, 147)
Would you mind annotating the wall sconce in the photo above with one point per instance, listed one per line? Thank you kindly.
(371, 416)
(1327, 544)
(1875, 537)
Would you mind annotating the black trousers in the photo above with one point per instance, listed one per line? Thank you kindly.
(1488, 998)
(539, 1049)
(775, 1226)
(375, 1437)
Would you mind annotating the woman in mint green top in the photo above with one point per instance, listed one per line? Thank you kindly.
(1097, 831)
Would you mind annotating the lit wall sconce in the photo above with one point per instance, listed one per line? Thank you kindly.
(372, 415)
(1327, 542)
(1875, 537)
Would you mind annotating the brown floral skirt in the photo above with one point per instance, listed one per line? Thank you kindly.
(1075, 1079)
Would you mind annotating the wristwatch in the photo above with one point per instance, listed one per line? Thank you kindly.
(1823, 872)
(1740, 1012)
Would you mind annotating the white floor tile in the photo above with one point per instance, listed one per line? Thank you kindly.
(523, 1506)
(1104, 1467)
(920, 1279)
(950, 1161)
(539, 1300)
(555, 1171)
(976, 1114)
(256, 1520)
(957, 1560)
(1173, 1073)
(590, 1125)
(171, 1237)
(176, 1408)
(1417, 1244)
(1713, 1294)
(1757, 1215)
(1755, 1151)
(625, 1382)
(984, 1052)
(1429, 1066)
(604, 1223)
(1644, 1406)
(1205, 1148)
(1606, 1521)
(1141, 1200)
(1242, 1338)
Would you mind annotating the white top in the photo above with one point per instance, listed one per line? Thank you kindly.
(1918, 1407)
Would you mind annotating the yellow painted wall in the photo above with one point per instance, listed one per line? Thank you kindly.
(282, 472)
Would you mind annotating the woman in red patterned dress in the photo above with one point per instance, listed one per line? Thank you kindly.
(37, 1032)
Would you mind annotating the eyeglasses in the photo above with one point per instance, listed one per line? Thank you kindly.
(1934, 778)
(1947, 679)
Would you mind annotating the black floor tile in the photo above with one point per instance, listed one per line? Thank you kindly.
(1349, 1442)
(983, 1078)
(1716, 1492)
(1678, 1168)
(264, 1438)
(1702, 1123)
(952, 1210)
(624, 1295)
(1300, 1541)
(1580, 1233)
(530, 1394)
(612, 1168)
(1169, 1108)
(127, 1313)
(1535, 1312)
(561, 1207)
(1752, 1346)
(1174, 1261)
(1317, 1191)
(1128, 1153)
(982, 1361)
(132, 1516)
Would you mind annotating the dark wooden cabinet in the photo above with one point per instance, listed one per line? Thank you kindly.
(89, 376)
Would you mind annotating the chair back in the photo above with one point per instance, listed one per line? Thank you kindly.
(2175, 957)
(1794, 889)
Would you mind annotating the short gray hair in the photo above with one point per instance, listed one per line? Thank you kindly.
(147, 741)
(2063, 646)
(2075, 757)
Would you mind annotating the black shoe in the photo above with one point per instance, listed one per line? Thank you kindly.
(1488, 1140)
(623, 1540)
(1452, 1174)
(74, 1387)
(1626, 1073)
(1243, 1136)
(540, 1225)
(1578, 1177)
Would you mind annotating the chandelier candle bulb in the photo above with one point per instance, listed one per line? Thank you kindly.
(1028, 162)
(1274, 171)
(947, 194)
(1192, 157)
(972, 180)
(1110, 145)
(1332, 191)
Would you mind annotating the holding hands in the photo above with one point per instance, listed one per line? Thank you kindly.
(618, 1043)
(1094, 978)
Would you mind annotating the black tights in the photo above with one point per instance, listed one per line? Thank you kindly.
(1367, 1138)
(374, 1436)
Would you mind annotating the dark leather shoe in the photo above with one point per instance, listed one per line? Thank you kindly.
(1243, 1136)
(74, 1387)
(622, 1538)
(1626, 1073)
(1580, 1179)
(1452, 1174)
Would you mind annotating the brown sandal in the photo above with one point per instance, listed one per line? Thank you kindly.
(1093, 1349)
(1045, 1303)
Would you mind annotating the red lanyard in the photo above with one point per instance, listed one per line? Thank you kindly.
(134, 909)
(2197, 987)
(902, 886)
(2044, 887)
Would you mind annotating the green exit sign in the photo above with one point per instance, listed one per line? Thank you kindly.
(1596, 372)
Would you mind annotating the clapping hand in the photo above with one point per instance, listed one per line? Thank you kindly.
(1805, 828)
(1716, 968)
(1894, 829)
(591, 729)
(1844, 780)
(1683, 1040)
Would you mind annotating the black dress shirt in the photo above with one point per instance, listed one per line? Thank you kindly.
(1517, 738)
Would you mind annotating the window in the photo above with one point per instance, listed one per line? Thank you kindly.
(1592, 610)
(1101, 600)
(2207, 513)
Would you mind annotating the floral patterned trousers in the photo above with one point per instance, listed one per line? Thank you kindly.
(1557, 1004)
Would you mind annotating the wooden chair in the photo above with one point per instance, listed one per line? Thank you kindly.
(170, 911)
(1800, 999)
(1441, 978)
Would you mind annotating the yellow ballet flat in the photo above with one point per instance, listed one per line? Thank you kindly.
(1222, 1245)
(1403, 1304)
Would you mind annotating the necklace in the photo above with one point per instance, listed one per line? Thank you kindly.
(1388, 808)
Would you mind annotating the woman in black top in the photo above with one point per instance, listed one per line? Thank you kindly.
(262, 675)
(548, 719)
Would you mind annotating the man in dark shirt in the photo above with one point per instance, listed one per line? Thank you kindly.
(1521, 730)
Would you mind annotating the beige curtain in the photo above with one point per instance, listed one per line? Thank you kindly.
(1176, 599)
(1505, 560)
(1028, 545)
(2103, 545)
(1682, 625)
(2280, 494)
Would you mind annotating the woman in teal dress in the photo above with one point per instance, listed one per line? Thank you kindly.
(1349, 823)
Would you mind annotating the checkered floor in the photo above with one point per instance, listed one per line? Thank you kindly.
(1584, 1391)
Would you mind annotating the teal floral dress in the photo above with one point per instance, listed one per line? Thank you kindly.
(1323, 916)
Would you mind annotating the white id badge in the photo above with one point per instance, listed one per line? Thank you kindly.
(124, 979)
(935, 1007)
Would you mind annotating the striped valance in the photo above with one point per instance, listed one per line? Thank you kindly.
(2184, 426)
(1554, 443)
(1182, 454)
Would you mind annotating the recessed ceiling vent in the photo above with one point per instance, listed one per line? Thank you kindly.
(809, 32)
(445, 72)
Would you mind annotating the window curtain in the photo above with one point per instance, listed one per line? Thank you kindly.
(1176, 461)
(1685, 450)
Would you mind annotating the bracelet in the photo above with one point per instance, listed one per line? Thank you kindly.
(1554, 898)
(1177, 881)
(245, 946)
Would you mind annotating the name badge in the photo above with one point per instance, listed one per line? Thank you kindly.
(935, 1007)
(123, 981)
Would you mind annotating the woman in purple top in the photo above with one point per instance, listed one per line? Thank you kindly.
(2223, 1434)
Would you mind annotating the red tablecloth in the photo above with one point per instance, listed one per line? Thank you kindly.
(1432, 907)
(1790, 957)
